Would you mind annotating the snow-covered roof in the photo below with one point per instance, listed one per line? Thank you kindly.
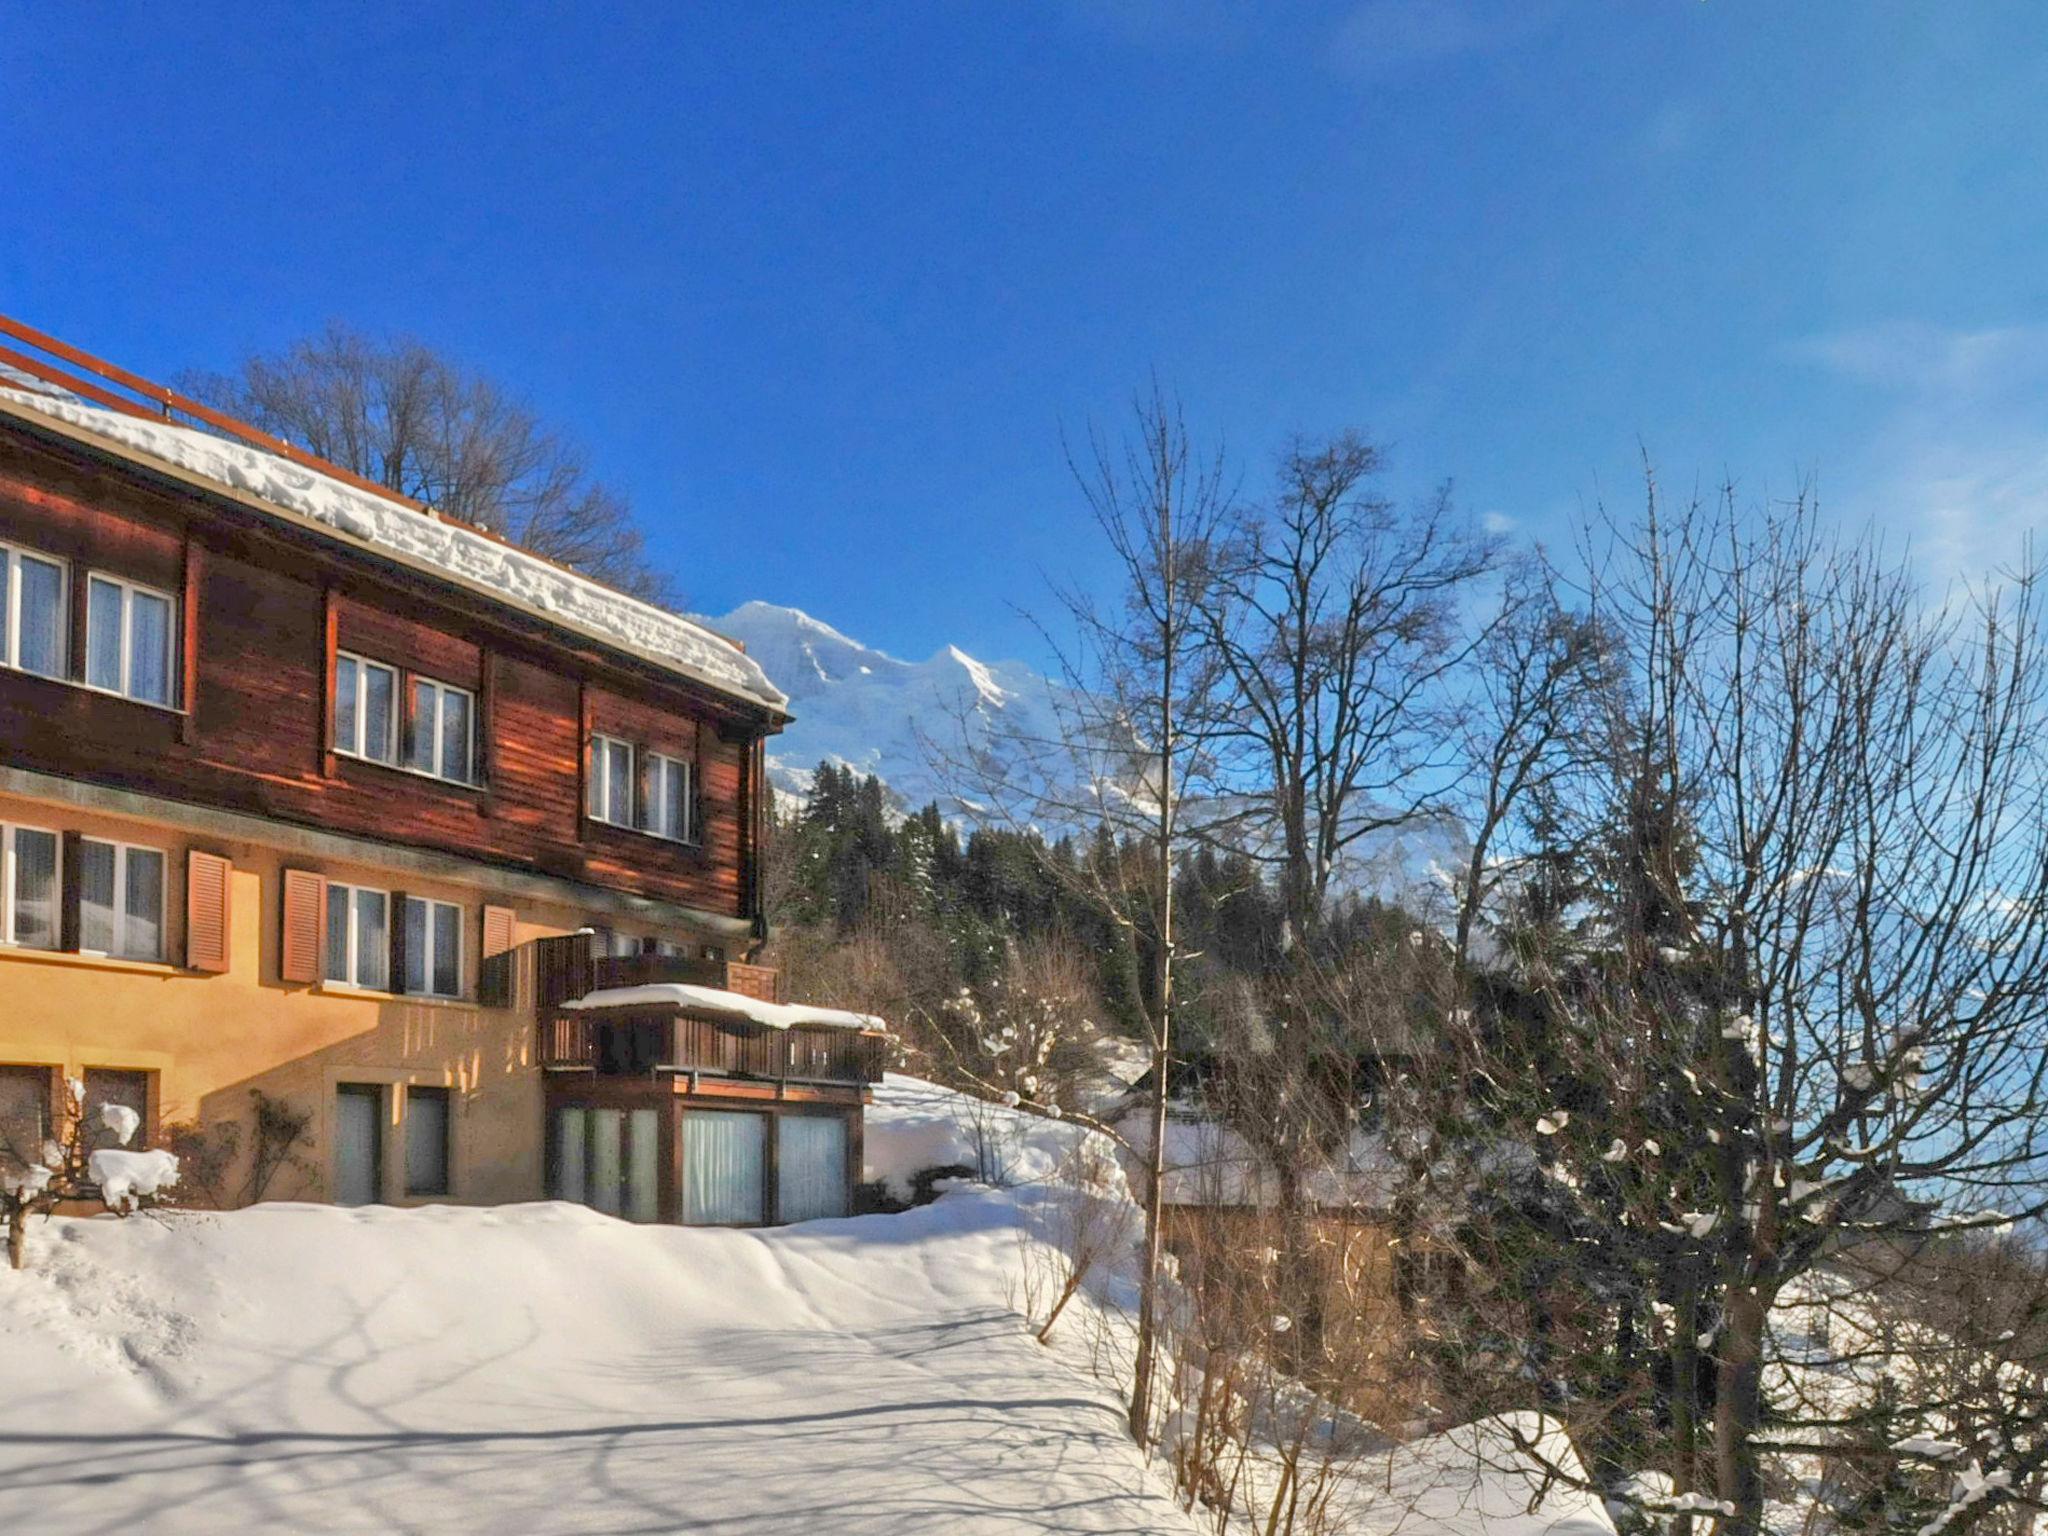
(679, 994)
(424, 540)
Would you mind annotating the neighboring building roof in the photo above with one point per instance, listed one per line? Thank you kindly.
(416, 538)
(697, 999)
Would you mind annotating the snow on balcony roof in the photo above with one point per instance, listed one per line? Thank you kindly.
(678, 994)
(421, 539)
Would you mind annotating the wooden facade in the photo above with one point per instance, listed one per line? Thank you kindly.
(265, 608)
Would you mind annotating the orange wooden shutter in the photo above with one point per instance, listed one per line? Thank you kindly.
(206, 911)
(305, 923)
(497, 930)
(494, 972)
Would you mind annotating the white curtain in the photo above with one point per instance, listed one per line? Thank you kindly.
(572, 1146)
(35, 888)
(42, 610)
(810, 1170)
(604, 1159)
(643, 1165)
(724, 1167)
(149, 670)
(96, 898)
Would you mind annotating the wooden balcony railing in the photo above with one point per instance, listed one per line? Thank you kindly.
(564, 967)
(628, 1042)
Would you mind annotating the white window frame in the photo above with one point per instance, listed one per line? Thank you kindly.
(128, 590)
(121, 852)
(604, 793)
(352, 964)
(11, 556)
(659, 767)
(438, 689)
(9, 888)
(355, 746)
(439, 914)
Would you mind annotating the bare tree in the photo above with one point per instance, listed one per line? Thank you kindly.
(1808, 1017)
(1121, 756)
(1332, 624)
(395, 411)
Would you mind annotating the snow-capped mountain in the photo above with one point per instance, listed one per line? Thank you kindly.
(879, 714)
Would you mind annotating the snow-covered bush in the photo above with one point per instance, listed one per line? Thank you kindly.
(36, 1181)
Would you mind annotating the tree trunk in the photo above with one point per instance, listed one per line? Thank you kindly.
(17, 1240)
(1738, 1411)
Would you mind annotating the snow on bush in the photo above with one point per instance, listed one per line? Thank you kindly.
(121, 1120)
(914, 1125)
(127, 1177)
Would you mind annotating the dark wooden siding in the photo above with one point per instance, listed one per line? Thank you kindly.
(256, 739)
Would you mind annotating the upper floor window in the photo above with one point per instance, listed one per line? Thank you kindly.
(120, 900)
(443, 730)
(365, 708)
(611, 781)
(32, 628)
(433, 948)
(130, 639)
(668, 812)
(358, 936)
(28, 887)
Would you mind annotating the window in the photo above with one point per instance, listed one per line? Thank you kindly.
(725, 1159)
(610, 944)
(441, 730)
(365, 709)
(433, 948)
(426, 1141)
(358, 1144)
(120, 900)
(810, 1167)
(358, 937)
(24, 1115)
(611, 781)
(32, 629)
(129, 640)
(667, 812)
(130, 1090)
(28, 887)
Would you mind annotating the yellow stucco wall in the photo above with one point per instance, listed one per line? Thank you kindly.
(210, 1039)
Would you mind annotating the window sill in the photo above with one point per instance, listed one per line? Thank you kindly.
(372, 995)
(465, 785)
(94, 962)
(693, 845)
(77, 685)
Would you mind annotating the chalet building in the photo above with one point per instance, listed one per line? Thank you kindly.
(453, 853)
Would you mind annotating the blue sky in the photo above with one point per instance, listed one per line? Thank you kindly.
(822, 287)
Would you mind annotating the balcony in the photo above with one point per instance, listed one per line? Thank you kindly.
(644, 1038)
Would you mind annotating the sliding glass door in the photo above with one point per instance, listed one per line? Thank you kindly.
(725, 1167)
(609, 1159)
(810, 1167)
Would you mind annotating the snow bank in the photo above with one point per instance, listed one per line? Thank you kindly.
(712, 999)
(914, 1125)
(541, 1368)
(511, 574)
(1478, 1480)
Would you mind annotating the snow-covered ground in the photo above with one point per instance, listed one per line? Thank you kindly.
(541, 1368)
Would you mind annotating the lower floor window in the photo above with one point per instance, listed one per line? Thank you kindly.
(129, 1091)
(426, 1141)
(358, 937)
(358, 1144)
(433, 948)
(28, 887)
(120, 900)
(24, 1115)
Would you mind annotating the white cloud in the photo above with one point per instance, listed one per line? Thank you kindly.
(1959, 460)
(1497, 522)
(1385, 35)
(1913, 355)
